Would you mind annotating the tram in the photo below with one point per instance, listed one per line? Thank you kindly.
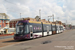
(26, 29)
(57, 28)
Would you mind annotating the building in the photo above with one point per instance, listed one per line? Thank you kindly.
(4, 23)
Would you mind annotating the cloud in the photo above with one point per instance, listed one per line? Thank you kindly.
(2, 8)
(69, 10)
(64, 9)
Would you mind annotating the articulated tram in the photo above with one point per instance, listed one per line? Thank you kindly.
(26, 29)
(59, 28)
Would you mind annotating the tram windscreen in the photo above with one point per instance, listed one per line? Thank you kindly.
(22, 28)
(19, 29)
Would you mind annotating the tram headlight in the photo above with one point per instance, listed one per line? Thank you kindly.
(27, 35)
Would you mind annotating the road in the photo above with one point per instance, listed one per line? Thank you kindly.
(62, 41)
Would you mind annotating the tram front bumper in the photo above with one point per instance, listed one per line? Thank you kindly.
(18, 38)
(21, 37)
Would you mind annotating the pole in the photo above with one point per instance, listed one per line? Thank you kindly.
(41, 22)
(53, 17)
(40, 13)
(20, 15)
(66, 24)
(2, 27)
(49, 18)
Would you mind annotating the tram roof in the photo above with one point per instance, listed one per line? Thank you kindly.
(46, 23)
(61, 25)
(38, 22)
(58, 24)
(34, 22)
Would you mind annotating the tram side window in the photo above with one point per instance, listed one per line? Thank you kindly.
(56, 27)
(41, 28)
(45, 28)
(31, 28)
(59, 27)
(50, 28)
(34, 29)
(62, 28)
(27, 29)
(37, 29)
(53, 28)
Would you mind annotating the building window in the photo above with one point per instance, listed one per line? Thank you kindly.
(0, 17)
(7, 21)
(0, 21)
(12, 25)
(7, 25)
(3, 21)
(0, 26)
(5, 17)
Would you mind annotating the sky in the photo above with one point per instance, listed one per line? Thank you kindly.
(63, 10)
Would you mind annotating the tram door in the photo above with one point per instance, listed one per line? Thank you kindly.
(47, 30)
(31, 31)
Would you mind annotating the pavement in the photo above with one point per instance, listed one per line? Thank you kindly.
(62, 41)
(6, 37)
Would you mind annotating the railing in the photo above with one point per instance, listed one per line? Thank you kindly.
(6, 34)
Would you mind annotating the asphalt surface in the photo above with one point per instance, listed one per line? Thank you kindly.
(6, 37)
(62, 41)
